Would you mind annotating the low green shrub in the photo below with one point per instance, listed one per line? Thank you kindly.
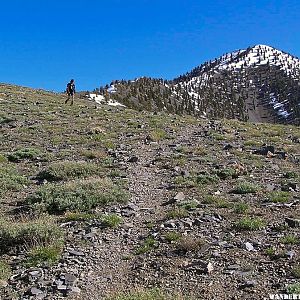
(70, 170)
(290, 175)
(293, 288)
(250, 224)
(80, 216)
(225, 173)
(77, 196)
(24, 153)
(10, 180)
(279, 197)
(296, 271)
(42, 232)
(241, 208)
(245, 188)
(290, 240)
(158, 134)
(5, 270)
(172, 236)
(203, 179)
(177, 213)
(189, 205)
(146, 246)
(111, 221)
(44, 255)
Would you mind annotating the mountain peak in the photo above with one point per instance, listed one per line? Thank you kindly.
(259, 84)
(261, 46)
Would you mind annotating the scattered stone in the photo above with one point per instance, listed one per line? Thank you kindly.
(265, 150)
(289, 187)
(227, 147)
(281, 155)
(169, 224)
(62, 288)
(294, 223)
(76, 253)
(248, 284)
(249, 246)
(179, 197)
(296, 140)
(270, 154)
(35, 291)
(75, 290)
(185, 173)
(133, 159)
(233, 267)
(187, 223)
(198, 222)
(69, 279)
(290, 254)
(200, 267)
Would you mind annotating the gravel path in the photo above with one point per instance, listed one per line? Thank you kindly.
(147, 189)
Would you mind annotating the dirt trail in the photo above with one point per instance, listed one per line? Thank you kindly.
(147, 189)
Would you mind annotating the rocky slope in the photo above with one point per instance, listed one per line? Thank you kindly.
(197, 208)
(259, 84)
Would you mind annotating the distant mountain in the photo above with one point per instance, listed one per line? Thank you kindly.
(260, 84)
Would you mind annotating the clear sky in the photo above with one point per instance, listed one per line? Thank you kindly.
(45, 43)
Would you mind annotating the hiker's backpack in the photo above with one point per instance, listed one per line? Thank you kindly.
(69, 88)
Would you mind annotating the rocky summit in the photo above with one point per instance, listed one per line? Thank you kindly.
(259, 84)
(106, 202)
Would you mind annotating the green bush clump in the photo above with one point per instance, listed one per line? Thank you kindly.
(10, 180)
(70, 170)
(177, 213)
(43, 231)
(146, 246)
(80, 216)
(241, 208)
(189, 205)
(206, 179)
(5, 270)
(296, 271)
(279, 197)
(294, 288)
(44, 255)
(172, 236)
(290, 175)
(250, 224)
(290, 240)
(24, 153)
(75, 196)
(245, 188)
(225, 173)
(111, 221)
(158, 134)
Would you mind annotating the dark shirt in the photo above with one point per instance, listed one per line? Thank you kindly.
(71, 88)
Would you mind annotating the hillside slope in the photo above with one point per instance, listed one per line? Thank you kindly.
(100, 202)
(258, 84)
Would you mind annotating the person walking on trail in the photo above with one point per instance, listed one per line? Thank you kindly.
(70, 91)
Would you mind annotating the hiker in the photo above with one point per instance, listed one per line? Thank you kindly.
(70, 91)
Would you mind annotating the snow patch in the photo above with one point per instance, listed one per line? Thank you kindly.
(278, 106)
(115, 103)
(112, 89)
(97, 98)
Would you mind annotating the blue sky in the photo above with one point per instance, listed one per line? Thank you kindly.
(44, 43)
